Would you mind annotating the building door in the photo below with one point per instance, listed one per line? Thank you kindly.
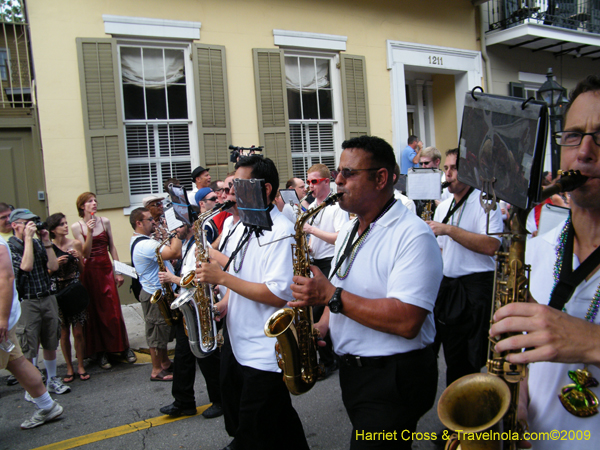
(21, 171)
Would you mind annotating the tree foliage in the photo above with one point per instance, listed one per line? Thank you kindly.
(11, 11)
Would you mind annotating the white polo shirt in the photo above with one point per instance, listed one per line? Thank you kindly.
(330, 219)
(146, 264)
(268, 260)
(545, 411)
(458, 260)
(399, 259)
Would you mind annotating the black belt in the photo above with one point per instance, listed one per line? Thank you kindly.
(39, 295)
(380, 361)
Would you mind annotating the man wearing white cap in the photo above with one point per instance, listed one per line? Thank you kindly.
(154, 204)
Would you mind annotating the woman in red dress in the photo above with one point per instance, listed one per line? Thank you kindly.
(105, 330)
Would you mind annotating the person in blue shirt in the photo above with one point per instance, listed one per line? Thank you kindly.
(411, 154)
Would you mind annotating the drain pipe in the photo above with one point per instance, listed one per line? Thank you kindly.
(484, 55)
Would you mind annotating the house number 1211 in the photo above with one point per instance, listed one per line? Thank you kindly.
(436, 60)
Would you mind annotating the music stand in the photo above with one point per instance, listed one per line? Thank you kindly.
(181, 205)
(251, 198)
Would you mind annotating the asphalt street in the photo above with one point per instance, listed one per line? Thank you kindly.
(119, 408)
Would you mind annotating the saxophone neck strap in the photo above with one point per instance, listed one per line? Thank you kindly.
(451, 211)
(245, 238)
(569, 279)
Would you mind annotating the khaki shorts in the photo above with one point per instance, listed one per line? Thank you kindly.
(39, 323)
(158, 333)
(15, 353)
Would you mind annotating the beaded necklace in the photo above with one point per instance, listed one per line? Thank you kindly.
(239, 267)
(577, 398)
(592, 311)
(357, 245)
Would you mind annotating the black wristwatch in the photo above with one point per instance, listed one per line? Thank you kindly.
(335, 304)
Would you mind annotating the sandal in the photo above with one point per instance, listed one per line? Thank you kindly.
(83, 376)
(68, 378)
(162, 376)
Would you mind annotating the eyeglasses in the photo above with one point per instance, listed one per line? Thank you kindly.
(149, 220)
(425, 163)
(315, 180)
(226, 190)
(156, 205)
(212, 199)
(5, 217)
(574, 138)
(347, 173)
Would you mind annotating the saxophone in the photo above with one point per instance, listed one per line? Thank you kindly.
(296, 347)
(165, 295)
(197, 303)
(489, 401)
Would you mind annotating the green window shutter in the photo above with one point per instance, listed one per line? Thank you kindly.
(354, 94)
(212, 108)
(103, 121)
(271, 100)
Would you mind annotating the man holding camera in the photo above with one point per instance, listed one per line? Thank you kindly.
(32, 259)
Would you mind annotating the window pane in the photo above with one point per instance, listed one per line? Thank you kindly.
(294, 106)
(177, 101)
(143, 179)
(174, 140)
(325, 104)
(140, 141)
(133, 101)
(156, 103)
(309, 106)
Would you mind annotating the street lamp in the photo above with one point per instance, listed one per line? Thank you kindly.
(555, 96)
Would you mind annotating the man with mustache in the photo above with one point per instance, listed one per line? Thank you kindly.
(386, 272)
(562, 335)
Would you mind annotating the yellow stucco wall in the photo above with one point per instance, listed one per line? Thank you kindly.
(239, 25)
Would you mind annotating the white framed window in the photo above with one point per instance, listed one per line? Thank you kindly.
(314, 109)
(158, 105)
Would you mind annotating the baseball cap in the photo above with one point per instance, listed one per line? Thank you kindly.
(202, 193)
(22, 213)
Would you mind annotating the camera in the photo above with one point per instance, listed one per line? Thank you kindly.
(39, 224)
(237, 152)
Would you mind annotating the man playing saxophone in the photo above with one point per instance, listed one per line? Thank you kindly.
(144, 258)
(562, 332)
(256, 403)
(184, 363)
(386, 272)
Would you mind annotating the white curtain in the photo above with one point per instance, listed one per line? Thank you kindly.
(156, 69)
(305, 76)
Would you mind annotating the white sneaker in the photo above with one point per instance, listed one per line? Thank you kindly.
(41, 416)
(55, 386)
(28, 397)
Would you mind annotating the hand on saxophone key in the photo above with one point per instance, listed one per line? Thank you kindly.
(311, 291)
(210, 273)
(167, 277)
(552, 335)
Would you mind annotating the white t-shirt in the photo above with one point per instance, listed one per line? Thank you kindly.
(545, 411)
(410, 204)
(458, 260)
(269, 263)
(399, 259)
(15, 309)
(330, 219)
(289, 212)
(146, 264)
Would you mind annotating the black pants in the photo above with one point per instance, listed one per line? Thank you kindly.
(184, 372)
(257, 407)
(391, 397)
(326, 354)
(465, 336)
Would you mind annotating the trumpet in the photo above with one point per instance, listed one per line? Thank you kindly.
(197, 303)
(489, 401)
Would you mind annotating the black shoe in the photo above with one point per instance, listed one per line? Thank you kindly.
(129, 355)
(214, 411)
(176, 411)
(232, 446)
(11, 380)
(103, 362)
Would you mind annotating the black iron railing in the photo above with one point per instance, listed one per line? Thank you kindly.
(581, 15)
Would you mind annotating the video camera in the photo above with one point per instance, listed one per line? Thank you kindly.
(237, 152)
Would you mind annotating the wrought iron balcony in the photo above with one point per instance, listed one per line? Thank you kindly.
(580, 15)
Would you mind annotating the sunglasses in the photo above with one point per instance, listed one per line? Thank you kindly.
(212, 199)
(315, 181)
(425, 163)
(156, 205)
(347, 173)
